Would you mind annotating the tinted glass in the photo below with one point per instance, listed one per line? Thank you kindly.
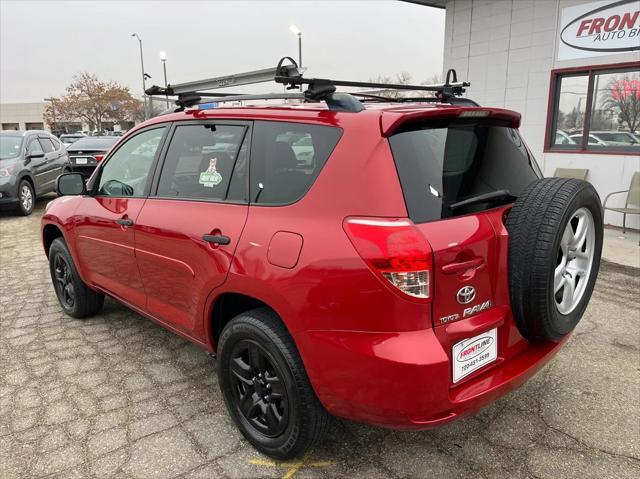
(615, 110)
(572, 103)
(287, 158)
(440, 166)
(93, 144)
(127, 171)
(34, 147)
(200, 161)
(10, 146)
(47, 146)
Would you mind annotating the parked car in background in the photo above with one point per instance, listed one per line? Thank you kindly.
(30, 163)
(563, 139)
(69, 138)
(617, 138)
(87, 152)
(593, 140)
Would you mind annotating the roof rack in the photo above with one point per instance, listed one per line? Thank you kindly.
(289, 74)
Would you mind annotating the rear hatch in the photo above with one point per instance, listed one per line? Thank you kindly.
(459, 177)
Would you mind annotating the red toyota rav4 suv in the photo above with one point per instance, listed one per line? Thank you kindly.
(400, 265)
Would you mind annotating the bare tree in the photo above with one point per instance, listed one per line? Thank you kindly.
(89, 99)
(402, 78)
(622, 97)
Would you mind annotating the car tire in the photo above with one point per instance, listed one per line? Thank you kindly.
(555, 242)
(266, 388)
(75, 297)
(26, 198)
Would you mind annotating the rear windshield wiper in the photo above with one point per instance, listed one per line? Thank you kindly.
(484, 197)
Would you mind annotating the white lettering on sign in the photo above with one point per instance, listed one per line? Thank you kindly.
(599, 28)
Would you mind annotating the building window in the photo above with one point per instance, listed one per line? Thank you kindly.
(596, 110)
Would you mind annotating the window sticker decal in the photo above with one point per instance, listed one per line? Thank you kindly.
(211, 177)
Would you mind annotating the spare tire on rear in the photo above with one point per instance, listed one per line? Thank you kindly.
(555, 242)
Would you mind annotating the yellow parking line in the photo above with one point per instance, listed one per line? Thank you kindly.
(292, 468)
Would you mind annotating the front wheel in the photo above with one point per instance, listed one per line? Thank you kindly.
(75, 297)
(26, 198)
(266, 388)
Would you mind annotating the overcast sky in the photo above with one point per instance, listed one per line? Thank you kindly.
(44, 44)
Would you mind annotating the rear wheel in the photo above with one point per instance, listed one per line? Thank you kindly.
(75, 297)
(555, 242)
(266, 388)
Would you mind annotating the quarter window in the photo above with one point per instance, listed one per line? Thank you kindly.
(286, 159)
(596, 110)
(127, 171)
(200, 163)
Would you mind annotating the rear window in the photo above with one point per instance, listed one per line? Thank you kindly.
(93, 143)
(442, 165)
(286, 159)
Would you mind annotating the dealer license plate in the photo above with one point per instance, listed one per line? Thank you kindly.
(474, 353)
(81, 161)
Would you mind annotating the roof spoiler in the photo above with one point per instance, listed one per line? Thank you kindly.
(393, 121)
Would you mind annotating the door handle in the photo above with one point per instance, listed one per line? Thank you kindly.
(462, 266)
(217, 239)
(125, 221)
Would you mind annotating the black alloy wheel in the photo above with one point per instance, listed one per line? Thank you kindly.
(64, 282)
(259, 391)
(75, 297)
(266, 388)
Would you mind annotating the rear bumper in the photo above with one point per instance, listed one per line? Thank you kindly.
(403, 380)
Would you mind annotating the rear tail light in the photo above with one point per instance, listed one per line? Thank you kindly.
(98, 157)
(395, 251)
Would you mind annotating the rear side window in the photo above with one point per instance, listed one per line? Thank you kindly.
(286, 159)
(445, 168)
(200, 162)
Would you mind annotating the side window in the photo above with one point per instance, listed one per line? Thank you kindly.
(287, 158)
(34, 147)
(127, 171)
(47, 146)
(56, 144)
(200, 161)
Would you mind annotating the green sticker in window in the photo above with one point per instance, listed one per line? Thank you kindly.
(211, 177)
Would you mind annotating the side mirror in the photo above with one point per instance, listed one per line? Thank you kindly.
(37, 154)
(71, 184)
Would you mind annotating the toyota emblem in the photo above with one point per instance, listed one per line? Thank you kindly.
(466, 294)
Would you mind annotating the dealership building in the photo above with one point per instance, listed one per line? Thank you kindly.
(571, 67)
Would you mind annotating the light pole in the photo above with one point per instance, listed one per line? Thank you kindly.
(53, 107)
(296, 31)
(144, 79)
(163, 59)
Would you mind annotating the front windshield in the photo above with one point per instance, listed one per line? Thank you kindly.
(10, 147)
